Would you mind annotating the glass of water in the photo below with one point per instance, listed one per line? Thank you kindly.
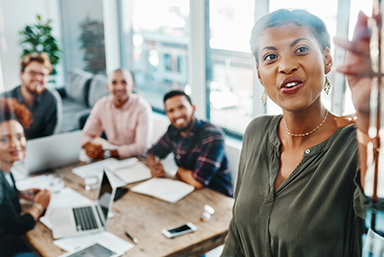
(91, 181)
(56, 183)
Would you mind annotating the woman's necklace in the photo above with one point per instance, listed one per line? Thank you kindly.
(308, 133)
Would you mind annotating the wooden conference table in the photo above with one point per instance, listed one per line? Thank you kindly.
(144, 217)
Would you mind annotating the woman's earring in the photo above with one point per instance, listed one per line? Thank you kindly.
(327, 85)
(264, 98)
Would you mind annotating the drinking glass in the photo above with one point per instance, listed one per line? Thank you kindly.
(56, 183)
(91, 181)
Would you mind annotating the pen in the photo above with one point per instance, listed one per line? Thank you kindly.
(134, 239)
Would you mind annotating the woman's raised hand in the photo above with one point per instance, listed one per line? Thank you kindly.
(357, 68)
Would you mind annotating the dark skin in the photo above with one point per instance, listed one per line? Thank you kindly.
(97, 152)
(181, 115)
(303, 111)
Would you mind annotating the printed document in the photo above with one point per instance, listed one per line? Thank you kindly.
(97, 169)
(130, 170)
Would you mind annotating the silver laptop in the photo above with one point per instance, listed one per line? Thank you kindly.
(50, 152)
(70, 221)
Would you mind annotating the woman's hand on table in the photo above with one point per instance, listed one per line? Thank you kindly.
(43, 197)
(29, 194)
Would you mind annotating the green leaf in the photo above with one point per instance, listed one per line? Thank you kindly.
(38, 37)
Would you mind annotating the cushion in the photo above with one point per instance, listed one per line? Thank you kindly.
(97, 89)
(76, 86)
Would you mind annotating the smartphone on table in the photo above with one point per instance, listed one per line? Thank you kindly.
(180, 230)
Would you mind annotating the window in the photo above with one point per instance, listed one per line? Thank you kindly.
(83, 35)
(356, 6)
(160, 44)
(233, 66)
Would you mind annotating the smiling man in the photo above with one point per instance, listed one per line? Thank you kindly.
(198, 146)
(123, 116)
(34, 74)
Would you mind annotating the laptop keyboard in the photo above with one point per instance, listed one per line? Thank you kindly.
(84, 218)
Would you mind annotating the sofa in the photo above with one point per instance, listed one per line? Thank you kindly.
(78, 95)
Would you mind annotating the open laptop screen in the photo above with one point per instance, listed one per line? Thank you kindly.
(105, 194)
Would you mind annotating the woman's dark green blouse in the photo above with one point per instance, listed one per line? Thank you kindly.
(315, 212)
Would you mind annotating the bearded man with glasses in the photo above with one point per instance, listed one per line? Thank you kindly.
(34, 74)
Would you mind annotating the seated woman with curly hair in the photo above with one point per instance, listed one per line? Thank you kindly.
(14, 118)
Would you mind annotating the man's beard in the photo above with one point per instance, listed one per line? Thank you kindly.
(188, 125)
(39, 88)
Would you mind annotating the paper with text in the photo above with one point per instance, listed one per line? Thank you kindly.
(97, 169)
(130, 170)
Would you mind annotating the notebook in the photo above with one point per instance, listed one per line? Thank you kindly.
(77, 220)
(50, 152)
(164, 189)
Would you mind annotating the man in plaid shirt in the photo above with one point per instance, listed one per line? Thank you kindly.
(198, 147)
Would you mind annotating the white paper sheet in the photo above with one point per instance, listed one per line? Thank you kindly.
(165, 189)
(41, 182)
(67, 197)
(93, 168)
(374, 244)
(75, 242)
(97, 169)
(130, 170)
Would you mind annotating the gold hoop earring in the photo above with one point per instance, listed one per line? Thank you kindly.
(264, 98)
(327, 85)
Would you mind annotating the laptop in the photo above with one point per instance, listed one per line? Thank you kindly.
(50, 152)
(70, 221)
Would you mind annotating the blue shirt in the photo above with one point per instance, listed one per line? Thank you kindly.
(202, 151)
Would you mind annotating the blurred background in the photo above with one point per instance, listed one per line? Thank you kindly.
(200, 46)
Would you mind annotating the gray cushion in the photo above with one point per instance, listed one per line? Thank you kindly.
(97, 89)
(76, 85)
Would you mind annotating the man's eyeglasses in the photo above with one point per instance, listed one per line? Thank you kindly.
(35, 73)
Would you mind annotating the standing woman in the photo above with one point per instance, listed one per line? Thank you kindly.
(14, 117)
(299, 192)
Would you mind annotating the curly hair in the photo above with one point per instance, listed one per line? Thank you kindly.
(10, 109)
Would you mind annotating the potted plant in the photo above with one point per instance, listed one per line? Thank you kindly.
(38, 38)
(92, 41)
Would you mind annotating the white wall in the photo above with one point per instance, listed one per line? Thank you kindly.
(14, 15)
